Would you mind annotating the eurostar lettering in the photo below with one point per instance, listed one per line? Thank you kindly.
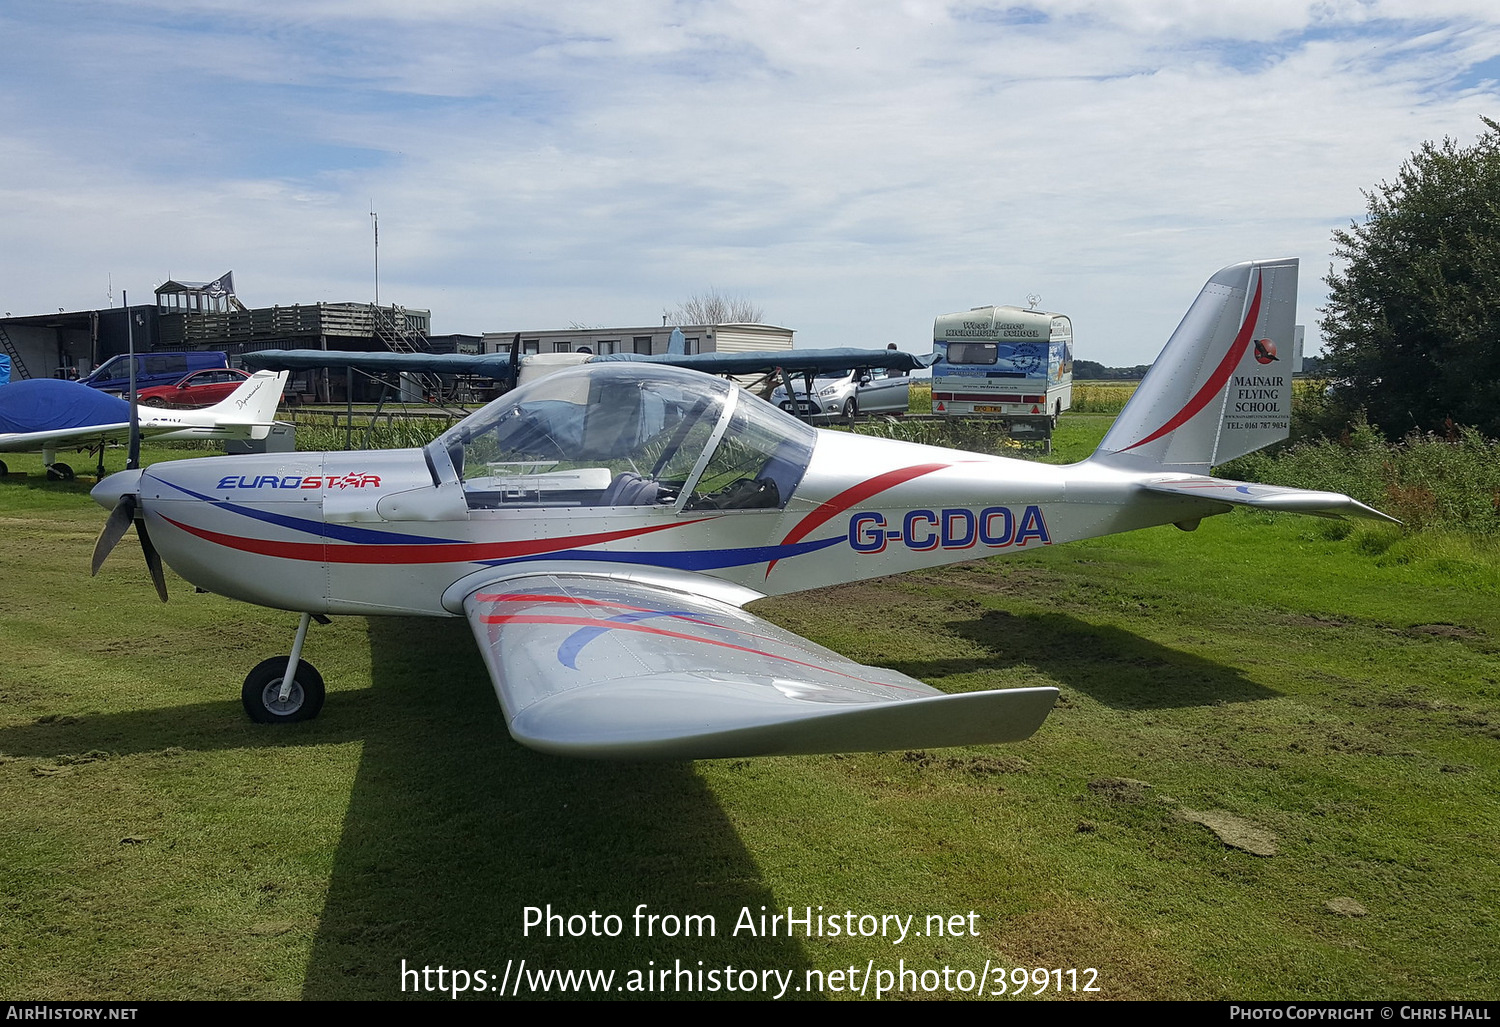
(922, 531)
(295, 481)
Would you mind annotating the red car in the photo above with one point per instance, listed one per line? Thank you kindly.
(199, 389)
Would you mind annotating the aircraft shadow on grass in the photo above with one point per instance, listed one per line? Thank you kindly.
(1119, 668)
(453, 829)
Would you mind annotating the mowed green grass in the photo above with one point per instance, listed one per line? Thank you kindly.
(1338, 694)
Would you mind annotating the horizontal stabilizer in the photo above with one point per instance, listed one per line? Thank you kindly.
(1268, 497)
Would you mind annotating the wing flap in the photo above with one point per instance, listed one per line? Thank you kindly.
(1268, 497)
(597, 667)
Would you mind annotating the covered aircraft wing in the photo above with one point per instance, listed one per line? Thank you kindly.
(594, 666)
(819, 361)
(1268, 497)
(487, 366)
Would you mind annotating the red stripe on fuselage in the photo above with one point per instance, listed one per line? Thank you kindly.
(431, 553)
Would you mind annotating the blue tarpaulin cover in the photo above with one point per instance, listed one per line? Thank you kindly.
(50, 404)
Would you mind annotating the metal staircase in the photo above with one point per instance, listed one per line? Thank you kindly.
(17, 365)
(394, 329)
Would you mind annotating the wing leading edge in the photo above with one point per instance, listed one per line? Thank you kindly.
(592, 666)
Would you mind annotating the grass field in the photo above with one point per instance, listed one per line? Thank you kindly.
(1333, 700)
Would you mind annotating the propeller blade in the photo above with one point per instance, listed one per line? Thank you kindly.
(153, 560)
(114, 529)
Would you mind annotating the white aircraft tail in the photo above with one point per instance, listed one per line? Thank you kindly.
(248, 412)
(1222, 387)
(254, 402)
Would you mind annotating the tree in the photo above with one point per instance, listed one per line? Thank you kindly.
(1412, 325)
(712, 308)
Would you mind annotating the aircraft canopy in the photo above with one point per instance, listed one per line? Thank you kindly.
(622, 435)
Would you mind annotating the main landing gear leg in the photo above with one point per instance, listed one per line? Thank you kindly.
(55, 470)
(283, 690)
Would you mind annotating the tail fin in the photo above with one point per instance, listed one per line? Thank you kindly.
(1222, 387)
(254, 402)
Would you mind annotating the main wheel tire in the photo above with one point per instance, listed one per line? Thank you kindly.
(3, 469)
(263, 688)
(851, 408)
(59, 472)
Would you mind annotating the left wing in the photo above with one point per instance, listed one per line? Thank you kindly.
(596, 666)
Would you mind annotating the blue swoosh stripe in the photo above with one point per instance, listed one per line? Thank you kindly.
(567, 653)
(322, 529)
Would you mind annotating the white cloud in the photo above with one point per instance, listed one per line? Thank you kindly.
(858, 169)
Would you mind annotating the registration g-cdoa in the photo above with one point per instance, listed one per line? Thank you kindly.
(994, 527)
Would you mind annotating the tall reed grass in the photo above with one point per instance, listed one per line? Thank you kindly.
(1450, 481)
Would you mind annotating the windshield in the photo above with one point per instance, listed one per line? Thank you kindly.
(111, 368)
(614, 434)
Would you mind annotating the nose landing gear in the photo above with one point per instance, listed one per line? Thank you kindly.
(282, 690)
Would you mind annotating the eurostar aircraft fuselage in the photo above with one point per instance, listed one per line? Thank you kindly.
(327, 532)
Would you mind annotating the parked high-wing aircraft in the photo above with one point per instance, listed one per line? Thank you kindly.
(48, 414)
(602, 528)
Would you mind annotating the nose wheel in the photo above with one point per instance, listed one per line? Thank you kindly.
(262, 692)
(284, 689)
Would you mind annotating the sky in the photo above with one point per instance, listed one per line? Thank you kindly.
(855, 168)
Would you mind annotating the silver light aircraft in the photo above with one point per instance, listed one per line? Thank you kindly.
(602, 528)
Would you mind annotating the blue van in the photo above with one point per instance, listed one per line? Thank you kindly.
(152, 369)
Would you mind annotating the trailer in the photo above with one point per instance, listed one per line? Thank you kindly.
(1005, 362)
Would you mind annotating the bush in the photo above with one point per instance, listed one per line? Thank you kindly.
(1429, 480)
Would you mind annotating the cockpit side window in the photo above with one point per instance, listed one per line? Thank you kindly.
(758, 463)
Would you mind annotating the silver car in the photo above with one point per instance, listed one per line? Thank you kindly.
(860, 391)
